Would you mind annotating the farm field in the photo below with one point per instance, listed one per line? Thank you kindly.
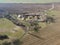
(49, 35)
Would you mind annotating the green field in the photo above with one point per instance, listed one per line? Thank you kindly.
(9, 28)
(5, 23)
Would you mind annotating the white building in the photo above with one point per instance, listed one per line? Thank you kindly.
(19, 16)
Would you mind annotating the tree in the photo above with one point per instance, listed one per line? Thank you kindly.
(17, 42)
(50, 19)
(35, 26)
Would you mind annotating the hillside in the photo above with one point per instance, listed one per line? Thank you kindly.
(10, 29)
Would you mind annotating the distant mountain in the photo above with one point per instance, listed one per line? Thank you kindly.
(26, 7)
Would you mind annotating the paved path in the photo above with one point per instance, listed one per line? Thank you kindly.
(50, 36)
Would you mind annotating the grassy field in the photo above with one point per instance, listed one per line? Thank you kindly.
(5, 23)
(10, 29)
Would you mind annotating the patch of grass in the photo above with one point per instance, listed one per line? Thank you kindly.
(19, 33)
(53, 12)
(43, 25)
(6, 24)
(13, 35)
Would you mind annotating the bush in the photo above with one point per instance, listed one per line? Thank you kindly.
(35, 26)
(6, 43)
(50, 19)
(12, 42)
(16, 42)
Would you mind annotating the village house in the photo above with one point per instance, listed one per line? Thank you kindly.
(32, 16)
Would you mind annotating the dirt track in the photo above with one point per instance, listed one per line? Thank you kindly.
(50, 35)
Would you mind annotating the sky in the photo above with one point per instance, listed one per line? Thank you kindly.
(28, 1)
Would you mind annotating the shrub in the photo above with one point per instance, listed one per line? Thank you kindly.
(6, 43)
